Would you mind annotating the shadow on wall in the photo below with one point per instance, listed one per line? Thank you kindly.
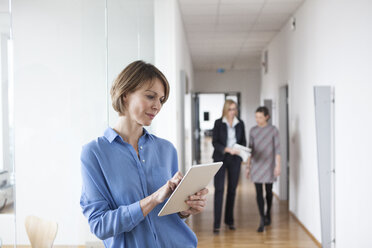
(295, 159)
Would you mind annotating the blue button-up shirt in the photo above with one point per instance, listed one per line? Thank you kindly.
(115, 179)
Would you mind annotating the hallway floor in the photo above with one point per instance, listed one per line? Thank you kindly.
(284, 232)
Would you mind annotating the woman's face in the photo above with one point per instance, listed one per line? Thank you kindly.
(231, 111)
(261, 119)
(145, 103)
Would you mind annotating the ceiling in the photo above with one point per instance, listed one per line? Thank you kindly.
(231, 34)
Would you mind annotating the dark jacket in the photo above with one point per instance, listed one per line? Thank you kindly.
(220, 138)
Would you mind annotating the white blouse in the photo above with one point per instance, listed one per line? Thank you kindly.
(231, 137)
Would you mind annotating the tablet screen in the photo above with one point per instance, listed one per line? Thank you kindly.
(195, 179)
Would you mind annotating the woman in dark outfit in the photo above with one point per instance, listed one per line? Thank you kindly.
(227, 131)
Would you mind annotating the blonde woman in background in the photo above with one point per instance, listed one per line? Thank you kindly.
(227, 131)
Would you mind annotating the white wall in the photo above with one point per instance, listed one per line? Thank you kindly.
(171, 56)
(60, 104)
(330, 46)
(246, 82)
(130, 30)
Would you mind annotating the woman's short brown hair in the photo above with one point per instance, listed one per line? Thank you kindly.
(226, 107)
(133, 77)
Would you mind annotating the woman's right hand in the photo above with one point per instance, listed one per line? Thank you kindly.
(228, 150)
(232, 151)
(247, 172)
(167, 189)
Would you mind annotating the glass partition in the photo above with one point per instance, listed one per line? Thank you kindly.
(7, 170)
(96, 40)
(130, 37)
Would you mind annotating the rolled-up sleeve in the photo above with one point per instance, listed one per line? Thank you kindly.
(105, 221)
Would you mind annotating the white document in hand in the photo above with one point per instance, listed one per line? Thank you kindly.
(244, 152)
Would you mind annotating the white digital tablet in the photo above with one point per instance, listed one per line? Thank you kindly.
(195, 179)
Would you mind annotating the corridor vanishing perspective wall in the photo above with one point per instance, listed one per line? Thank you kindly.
(330, 46)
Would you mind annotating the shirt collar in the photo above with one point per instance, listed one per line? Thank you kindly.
(110, 134)
(235, 121)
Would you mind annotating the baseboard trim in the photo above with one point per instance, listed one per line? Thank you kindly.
(302, 225)
(305, 229)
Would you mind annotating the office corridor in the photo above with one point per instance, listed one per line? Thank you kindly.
(284, 232)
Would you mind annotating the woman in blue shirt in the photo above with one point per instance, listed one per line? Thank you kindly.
(128, 173)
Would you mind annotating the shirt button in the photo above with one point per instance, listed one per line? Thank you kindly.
(141, 147)
(143, 160)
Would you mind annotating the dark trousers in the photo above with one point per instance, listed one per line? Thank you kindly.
(260, 199)
(231, 164)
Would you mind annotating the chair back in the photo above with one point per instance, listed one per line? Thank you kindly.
(41, 233)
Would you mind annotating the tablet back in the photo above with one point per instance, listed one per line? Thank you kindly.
(196, 178)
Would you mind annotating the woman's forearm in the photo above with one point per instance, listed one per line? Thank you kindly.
(249, 162)
(277, 161)
(149, 203)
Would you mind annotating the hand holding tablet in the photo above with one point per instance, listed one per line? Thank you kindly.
(195, 179)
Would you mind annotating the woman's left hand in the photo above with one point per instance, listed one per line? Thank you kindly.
(197, 202)
(235, 152)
